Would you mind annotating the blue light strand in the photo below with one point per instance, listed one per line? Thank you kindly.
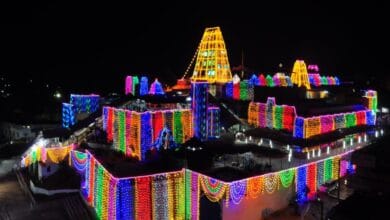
(301, 184)
(125, 199)
(298, 127)
(146, 133)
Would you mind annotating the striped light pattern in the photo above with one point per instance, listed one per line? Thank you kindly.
(271, 115)
(175, 195)
(134, 133)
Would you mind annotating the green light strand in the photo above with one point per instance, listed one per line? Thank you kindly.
(121, 121)
(99, 186)
(178, 127)
(278, 117)
(269, 81)
(328, 168)
(244, 90)
(287, 177)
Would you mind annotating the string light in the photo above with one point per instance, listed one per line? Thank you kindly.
(328, 169)
(237, 191)
(143, 198)
(199, 91)
(271, 182)
(255, 186)
(156, 88)
(144, 86)
(287, 177)
(213, 122)
(85, 103)
(271, 115)
(213, 188)
(68, 115)
(301, 183)
(320, 173)
(160, 197)
(311, 179)
(129, 85)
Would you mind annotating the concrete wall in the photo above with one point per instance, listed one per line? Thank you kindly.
(254, 209)
(43, 170)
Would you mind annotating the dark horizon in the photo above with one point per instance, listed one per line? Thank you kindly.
(92, 47)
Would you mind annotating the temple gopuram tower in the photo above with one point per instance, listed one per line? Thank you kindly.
(212, 63)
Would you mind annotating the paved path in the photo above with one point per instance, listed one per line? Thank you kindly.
(15, 205)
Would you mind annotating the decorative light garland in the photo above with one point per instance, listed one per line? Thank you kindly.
(213, 188)
(255, 186)
(271, 182)
(287, 177)
(237, 191)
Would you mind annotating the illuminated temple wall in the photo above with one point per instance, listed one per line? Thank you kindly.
(271, 115)
(308, 127)
(176, 195)
(134, 133)
(284, 117)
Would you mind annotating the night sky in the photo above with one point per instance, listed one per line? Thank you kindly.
(90, 47)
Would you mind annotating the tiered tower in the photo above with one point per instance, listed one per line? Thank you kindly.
(299, 74)
(212, 63)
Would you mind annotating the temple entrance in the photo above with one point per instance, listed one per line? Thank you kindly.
(209, 210)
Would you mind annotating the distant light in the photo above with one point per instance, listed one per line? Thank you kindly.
(179, 92)
(327, 150)
(47, 85)
(319, 152)
(344, 144)
(376, 134)
(359, 139)
(365, 137)
(308, 155)
(382, 132)
(314, 153)
(385, 110)
(188, 99)
(351, 142)
(57, 95)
